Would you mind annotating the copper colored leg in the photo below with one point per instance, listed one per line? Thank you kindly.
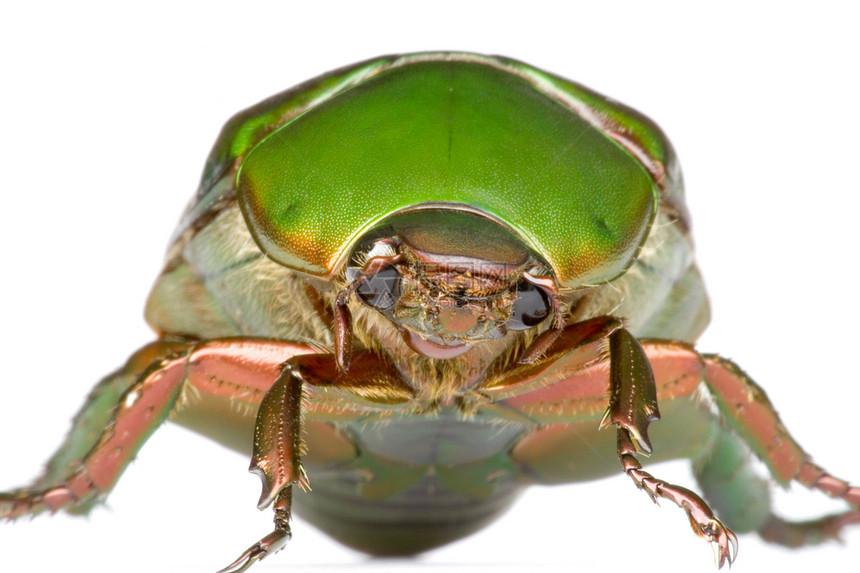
(702, 519)
(271, 543)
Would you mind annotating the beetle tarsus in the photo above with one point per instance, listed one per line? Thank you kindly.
(271, 543)
(32, 502)
(268, 545)
(816, 477)
(702, 519)
(796, 534)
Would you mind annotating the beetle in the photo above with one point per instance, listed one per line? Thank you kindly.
(369, 294)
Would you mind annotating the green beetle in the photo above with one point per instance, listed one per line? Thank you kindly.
(421, 283)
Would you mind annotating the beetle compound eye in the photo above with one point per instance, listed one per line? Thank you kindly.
(382, 289)
(530, 308)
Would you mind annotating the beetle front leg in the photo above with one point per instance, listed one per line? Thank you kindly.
(277, 446)
(277, 433)
(632, 407)
(702, 519)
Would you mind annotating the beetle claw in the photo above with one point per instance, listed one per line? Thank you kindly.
(247, 559)
(724, 542)
(270, 544)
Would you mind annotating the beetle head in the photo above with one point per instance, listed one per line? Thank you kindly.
(447, 279)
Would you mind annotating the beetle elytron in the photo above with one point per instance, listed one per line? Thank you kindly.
(421, 283)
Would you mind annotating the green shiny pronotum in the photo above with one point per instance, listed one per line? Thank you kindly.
(421, 283)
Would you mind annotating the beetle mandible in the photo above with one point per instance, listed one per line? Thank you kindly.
(369, 295)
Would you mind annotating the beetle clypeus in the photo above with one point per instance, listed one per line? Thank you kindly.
(368, 293)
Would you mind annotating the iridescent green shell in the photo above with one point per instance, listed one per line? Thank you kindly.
(572, 175)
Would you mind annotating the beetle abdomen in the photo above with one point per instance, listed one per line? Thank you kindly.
(418, 482)
(426, 516)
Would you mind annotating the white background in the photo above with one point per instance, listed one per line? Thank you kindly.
(108, 111)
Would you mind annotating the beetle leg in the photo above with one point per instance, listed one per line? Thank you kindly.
(277, 449)
(799, 533)
(747, 410)
(633, 398)
(632, 407)
(277, 433)
(570, 386)
(702, 519)
(105, 435)
(129, 405)
(277, 437)
(271, 543)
